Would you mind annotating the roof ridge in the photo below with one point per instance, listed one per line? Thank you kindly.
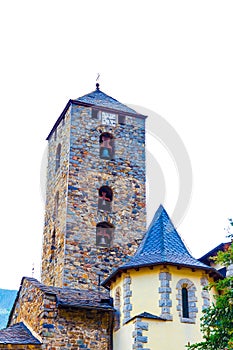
(98, 91)
(99, 98)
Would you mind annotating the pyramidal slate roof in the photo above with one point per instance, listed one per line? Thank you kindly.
(100, 99)
(17, 334)
(161, 245)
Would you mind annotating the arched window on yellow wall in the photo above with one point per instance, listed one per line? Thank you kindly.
(186, 301)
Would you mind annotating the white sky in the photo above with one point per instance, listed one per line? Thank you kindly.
(172, 57)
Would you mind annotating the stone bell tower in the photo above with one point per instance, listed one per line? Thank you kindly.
(95, 203)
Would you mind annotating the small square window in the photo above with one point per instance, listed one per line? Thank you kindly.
(121, 119)
(95, 114)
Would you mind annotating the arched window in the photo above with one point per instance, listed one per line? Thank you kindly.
(185, 303)
(104, 234)
(56, 205)
(105, 198)
(186, 300)
(106, 146)
(117, 306)
(58, 157)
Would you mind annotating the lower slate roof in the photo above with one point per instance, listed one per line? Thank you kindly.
(17, 334)
(213, 252)
(70, 297)
(76, 298)
(147, 315)
(161, 245)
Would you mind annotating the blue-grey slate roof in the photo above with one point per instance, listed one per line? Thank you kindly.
(70, 297)
(147, 315)
(17, 334)
(161, 245)
(100, 99)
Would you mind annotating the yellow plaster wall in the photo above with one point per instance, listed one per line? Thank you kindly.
(170, 335)
(162, 335)
(145, 285)
(123, 339)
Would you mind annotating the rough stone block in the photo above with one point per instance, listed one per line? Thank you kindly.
(142, 326)
(141, 339)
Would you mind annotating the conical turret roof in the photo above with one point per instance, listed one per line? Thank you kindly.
(161, 244)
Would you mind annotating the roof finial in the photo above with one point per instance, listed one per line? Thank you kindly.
(97, 84)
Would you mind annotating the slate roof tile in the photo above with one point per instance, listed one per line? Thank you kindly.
(147, 315)
(17, 334)
(100, 99)
(70, 297)
(161, 245)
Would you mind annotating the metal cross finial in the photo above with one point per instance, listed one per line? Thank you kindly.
(97, 84)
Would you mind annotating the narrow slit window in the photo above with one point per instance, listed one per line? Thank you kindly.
(56, 205)
(121, 119)
(95, 114)
(58, 157)
(185, 304)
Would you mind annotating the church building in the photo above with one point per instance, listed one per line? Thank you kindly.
(107, 283)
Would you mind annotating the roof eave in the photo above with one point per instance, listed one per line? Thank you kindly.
(106, 283)
(59, 119)
(214, 251)
(85, 104)
(88, 307)
(156, 318)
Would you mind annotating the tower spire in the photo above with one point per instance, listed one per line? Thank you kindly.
(97, 84)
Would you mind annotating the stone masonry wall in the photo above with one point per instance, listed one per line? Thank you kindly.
(165, 303)
(80, 329)
(127, 294)
(139, 339)
(205, 293)
(29, 307)
(59, 328)
(87, 173)
(55, 223)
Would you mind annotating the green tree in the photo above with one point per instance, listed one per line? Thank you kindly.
(217, 320)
